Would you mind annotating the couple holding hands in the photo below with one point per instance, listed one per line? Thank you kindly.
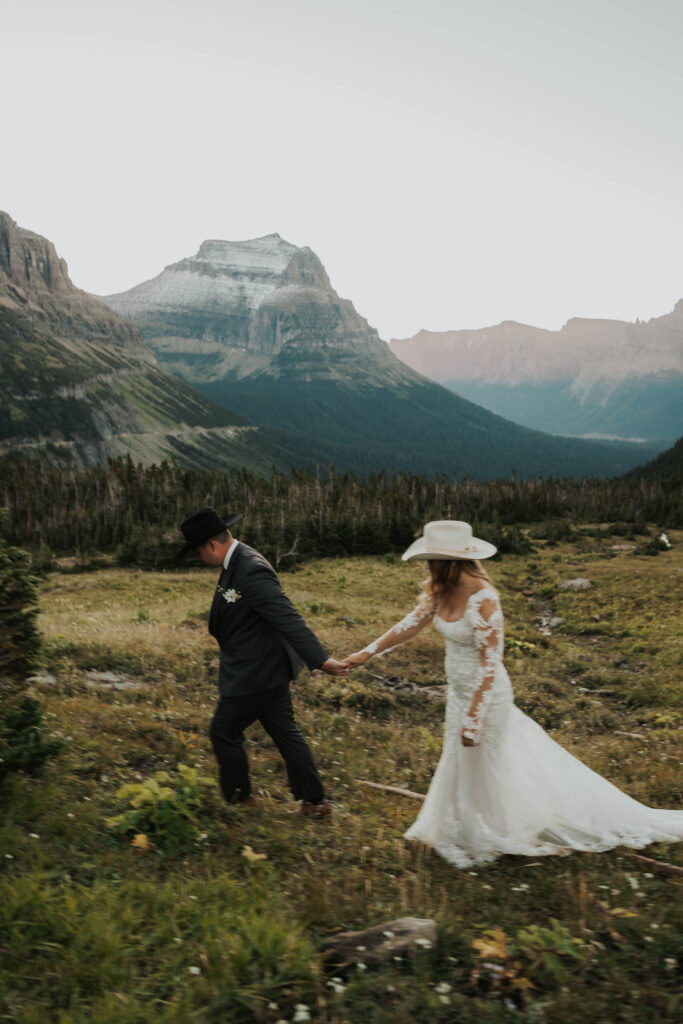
(502, 785)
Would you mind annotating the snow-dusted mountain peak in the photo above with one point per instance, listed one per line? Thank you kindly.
(268, 253)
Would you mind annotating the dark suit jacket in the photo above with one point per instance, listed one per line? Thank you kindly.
(264, 641)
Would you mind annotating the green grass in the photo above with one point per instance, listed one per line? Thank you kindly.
(95, 930)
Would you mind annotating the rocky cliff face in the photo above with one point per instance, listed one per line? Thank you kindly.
(592, 376)
(239, 309)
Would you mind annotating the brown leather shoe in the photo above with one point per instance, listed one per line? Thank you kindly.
(320, 810)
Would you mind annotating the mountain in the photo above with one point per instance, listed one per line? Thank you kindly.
(592, 377)
(667, 467)
(257, 326)
(80, 384)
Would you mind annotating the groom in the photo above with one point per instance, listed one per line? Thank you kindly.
(264, 643)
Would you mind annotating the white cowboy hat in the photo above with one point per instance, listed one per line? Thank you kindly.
(448, 538)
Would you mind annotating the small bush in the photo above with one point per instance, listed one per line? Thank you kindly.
(161, 813)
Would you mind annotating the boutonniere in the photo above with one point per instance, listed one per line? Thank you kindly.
(228, 595)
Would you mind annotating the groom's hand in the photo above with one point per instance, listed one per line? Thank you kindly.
(333, 667)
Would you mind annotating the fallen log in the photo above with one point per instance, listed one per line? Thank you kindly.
(659, 865)
(392, 789)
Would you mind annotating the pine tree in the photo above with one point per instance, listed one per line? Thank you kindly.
(24, 745)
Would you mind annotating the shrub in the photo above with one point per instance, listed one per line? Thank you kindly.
(161, 813)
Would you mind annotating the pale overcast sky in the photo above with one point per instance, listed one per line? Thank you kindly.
(453, 163)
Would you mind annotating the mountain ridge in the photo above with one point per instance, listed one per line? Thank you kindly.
(266, 334)
(593, 375)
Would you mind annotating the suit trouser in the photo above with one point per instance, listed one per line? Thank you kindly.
(273, 709)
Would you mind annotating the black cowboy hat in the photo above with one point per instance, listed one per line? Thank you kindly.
(202, 526)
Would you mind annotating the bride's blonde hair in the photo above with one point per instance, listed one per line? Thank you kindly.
(444, 576)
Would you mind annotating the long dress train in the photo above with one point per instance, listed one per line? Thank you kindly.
(517, 791)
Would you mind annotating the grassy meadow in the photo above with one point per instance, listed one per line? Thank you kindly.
(221, 920)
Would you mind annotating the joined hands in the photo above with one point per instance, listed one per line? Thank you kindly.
(341, 667)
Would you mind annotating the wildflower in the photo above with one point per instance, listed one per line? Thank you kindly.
(398, 959)
(272, 1006)
(445, 999)
(69, 814)
(300, 1014)
(361, 966)
(195, 970)
(633, 882)
(34, 835)
(337, 985)
(176, 939)
(9, 856)
(442, 988)
(141, 842)
(671, 963)
(361, 949)
(388, 935)
(424, 943)
(248, 854)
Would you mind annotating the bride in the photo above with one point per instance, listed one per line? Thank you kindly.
(502, 785)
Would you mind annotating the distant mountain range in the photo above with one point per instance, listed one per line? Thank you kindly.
(593, 377)
(257, 327)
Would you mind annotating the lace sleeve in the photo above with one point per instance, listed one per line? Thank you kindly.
(421, 615)
(487, 620)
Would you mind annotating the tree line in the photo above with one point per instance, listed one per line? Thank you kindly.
(134, 511)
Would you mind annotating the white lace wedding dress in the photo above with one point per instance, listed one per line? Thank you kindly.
(517, 791)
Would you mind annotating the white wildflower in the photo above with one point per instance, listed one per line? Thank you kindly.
(424, 943)
(301, 1013)
(633, 882)
(443, 988)
(337, 985)
(388, 935)
(445, 999)
(671, 963)
(361, 949)
(361, 966)
(195, 970)
(34, 835)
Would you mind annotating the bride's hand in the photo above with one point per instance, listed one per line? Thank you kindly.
(467, 737)
(357, 659)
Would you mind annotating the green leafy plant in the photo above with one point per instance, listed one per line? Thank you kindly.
(163, 811)
(536, 958)
(550, 953)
